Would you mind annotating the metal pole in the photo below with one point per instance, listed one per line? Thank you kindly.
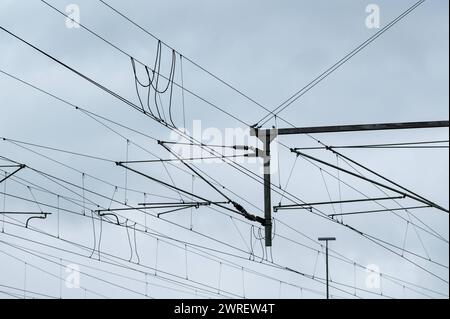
(267, 192)
(326, 240)
(266, 137)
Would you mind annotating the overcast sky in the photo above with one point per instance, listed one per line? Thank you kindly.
(269, 50)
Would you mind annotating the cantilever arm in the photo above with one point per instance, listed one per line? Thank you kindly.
(20, 167)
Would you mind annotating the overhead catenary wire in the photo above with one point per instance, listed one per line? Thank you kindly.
(129, 56)
(114, 273)
(314, 210)
(237, 206)
(406, 193)
(237, 267)
(415, 195)
(72, 185)
(89, 175)
(81, 272)
(120, 13)
(91, 114)
(105, 258)
(292, 125)
(31, 265)
(184, 159)
(378, 211)
(337, 65)
(22, 291)
(400, 145)
(401, 206)
(55, 179)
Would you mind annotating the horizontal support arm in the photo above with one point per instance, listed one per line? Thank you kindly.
(310, 205)
(358, 127)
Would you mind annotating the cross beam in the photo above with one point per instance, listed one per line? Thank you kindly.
(361, 127)
(266, 136)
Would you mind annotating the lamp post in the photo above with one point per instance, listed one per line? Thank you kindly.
(326, 240)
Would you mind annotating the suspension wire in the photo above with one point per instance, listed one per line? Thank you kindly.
(172, 180)
(126, 173)
(156, 256)
(60, 275)
(4, 203)
(278, 156)
(328, 191)
(135, 243)
(129, 240)
(164, 119)
(339, 188)
(25, 281)
(136, 82)
(252, 254)
(243, 282)
(186, 256)
(35, 200)
(405, 237)
(220, 278)
(288, 180)
(58, 199)
(191, 226)
(241, 236)
(400, 145)
(182, 92)
(315, 263)
(100, 236)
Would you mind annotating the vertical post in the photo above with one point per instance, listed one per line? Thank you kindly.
(267, 190)
(326, 240)
(266, 137)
